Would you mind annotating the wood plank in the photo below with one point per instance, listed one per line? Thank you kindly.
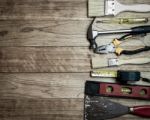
(39, 9)
(44, 59)
(55, 59)
(43, 32)
(33, 96)
(47, 85)
(41, 109)
(45, 109)
(59, 33)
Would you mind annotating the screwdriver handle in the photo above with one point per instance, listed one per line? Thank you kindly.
(141, 29)
(143, 111)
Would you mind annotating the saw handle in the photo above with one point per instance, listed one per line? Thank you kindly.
(143, 111)
(141, 29)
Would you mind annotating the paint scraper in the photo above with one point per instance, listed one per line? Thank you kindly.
(100, 108)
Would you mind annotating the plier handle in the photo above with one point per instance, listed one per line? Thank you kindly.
(113, 47)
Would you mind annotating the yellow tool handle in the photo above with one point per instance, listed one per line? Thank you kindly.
(124, 20)
(104, 73)
(132, 20)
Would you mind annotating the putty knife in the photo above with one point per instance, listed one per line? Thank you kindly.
(99, 108)
(113, 8)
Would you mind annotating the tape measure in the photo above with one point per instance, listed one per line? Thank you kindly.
(121, 76)
(125, 76)
(104, 73)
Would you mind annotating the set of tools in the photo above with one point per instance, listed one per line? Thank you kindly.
(114, 45)
(97, 105)
(121, 76)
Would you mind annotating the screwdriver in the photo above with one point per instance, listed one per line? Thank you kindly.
(124, 20)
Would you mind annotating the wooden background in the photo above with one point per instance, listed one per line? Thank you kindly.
(45, 60)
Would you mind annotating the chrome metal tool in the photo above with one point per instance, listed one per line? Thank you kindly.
(113, 47)
(93, 34)
(100, 108)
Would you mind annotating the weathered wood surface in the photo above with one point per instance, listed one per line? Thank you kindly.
(43, 33)
(46, 85)
(47, 96)
(45, 60)
(57, 33)
(41, 109)
(43, 9)
(55, 59)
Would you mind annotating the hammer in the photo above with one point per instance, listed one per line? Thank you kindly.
(93, 34)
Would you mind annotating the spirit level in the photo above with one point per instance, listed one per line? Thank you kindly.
(116, 90)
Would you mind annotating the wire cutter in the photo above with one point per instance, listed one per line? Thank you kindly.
(113, 47)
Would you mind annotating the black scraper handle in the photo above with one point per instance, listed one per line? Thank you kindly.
(141, 29)
(143, 111)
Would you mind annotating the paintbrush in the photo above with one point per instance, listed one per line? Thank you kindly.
(98, 62)
(99, 108)
(113, 8)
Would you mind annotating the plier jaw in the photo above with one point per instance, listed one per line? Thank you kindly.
(104, 49)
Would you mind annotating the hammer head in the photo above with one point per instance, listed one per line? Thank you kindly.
(91, 36)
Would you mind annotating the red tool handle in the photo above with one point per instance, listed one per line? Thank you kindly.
(143, 111)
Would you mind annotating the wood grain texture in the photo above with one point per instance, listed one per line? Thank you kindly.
(41, 109)
(44, 33)
(42, 9)
(45, 60)
(47, 96)
(46, 109)
(58, 33)
(54, 59)
(47, 85)
(43, 85)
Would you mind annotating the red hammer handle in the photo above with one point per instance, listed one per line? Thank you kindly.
(143, 111)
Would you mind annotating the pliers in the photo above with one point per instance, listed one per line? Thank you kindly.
(113, 47)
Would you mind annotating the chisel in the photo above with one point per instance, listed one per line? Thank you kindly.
(99, 62)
